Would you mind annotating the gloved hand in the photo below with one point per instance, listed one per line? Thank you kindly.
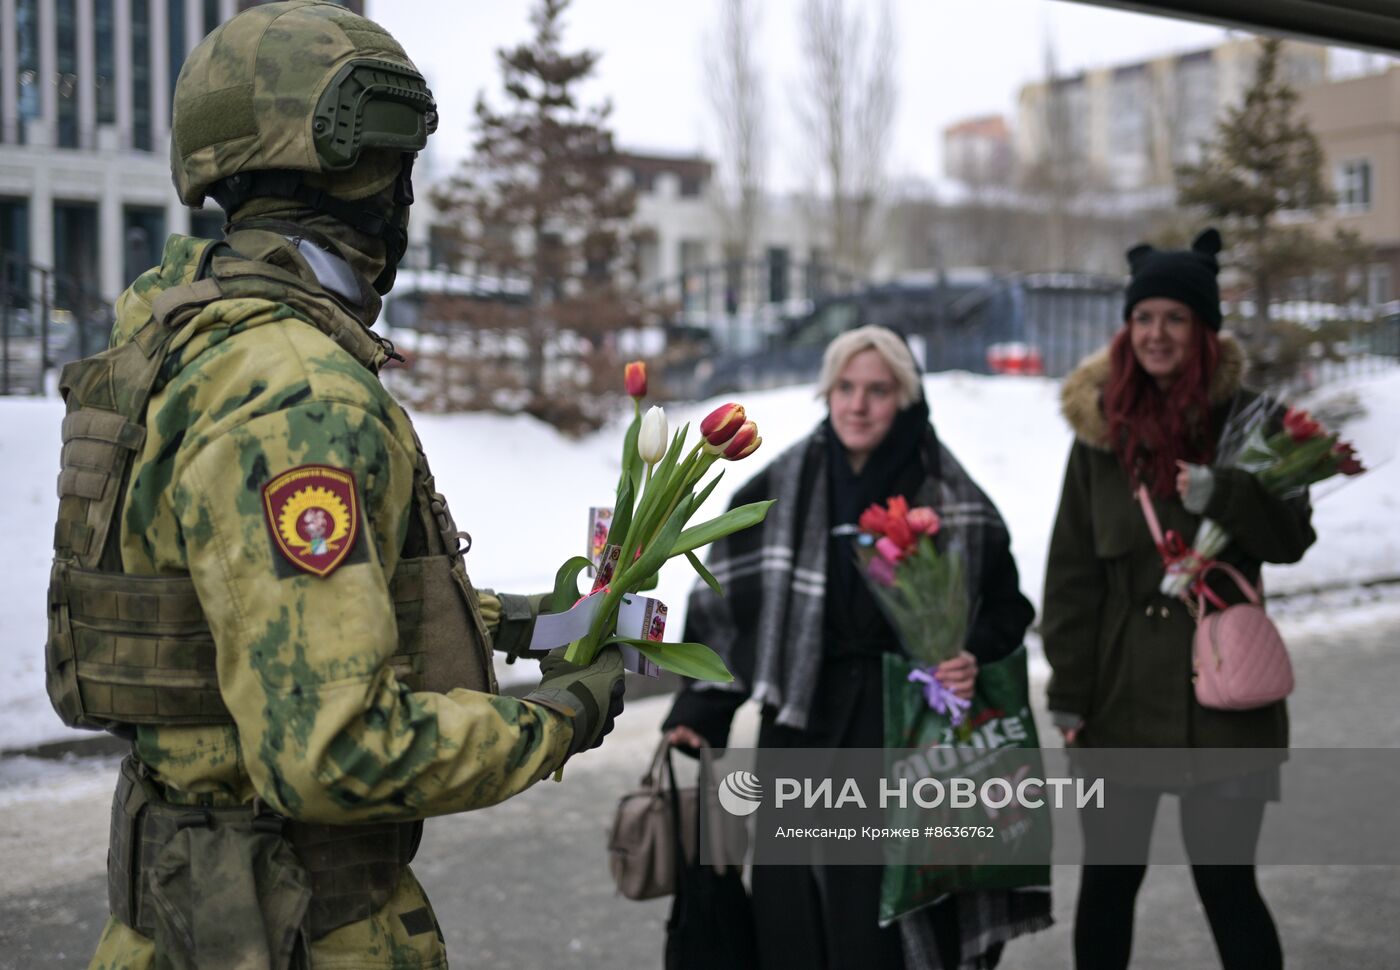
(590, 696)
(510, 619)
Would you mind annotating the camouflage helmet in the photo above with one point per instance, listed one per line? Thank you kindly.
(299, 86)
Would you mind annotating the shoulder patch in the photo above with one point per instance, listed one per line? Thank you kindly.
(314, 517)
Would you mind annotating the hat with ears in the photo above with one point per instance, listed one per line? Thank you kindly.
(1187, 276)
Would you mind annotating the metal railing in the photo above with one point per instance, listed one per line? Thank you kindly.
(47, 318)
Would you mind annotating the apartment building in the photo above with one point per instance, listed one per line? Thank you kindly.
(1357, 122)
(1126, 127)
(85, 88)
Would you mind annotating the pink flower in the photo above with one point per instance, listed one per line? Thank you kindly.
(924, 520)
(889, 549)
(635, 378)
(722, 423)
(881, 570)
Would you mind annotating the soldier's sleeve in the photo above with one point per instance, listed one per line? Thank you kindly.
(326, 730)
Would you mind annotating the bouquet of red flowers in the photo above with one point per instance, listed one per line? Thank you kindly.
(1285, 462)
(923, 593)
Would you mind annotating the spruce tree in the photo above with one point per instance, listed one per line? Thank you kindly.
(1264, 162)
(538, 207)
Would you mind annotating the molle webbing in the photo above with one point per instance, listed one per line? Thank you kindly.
(143, 652)
(353, 869)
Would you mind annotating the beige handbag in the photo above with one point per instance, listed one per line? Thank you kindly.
(641, 846)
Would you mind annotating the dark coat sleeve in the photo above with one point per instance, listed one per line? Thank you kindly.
(1075, 584)
(726, 624)
(1264, 526)
(1003, 613)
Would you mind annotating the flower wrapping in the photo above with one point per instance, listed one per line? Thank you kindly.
(1286, 461)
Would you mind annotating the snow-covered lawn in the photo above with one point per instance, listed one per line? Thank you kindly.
(523, 492)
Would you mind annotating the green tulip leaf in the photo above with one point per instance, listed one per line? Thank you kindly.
(631, 460)
(566, 584)
(694, 660)
(744, 517)
(705, 574)
(707, 490)
(622, 512)
(655, 555)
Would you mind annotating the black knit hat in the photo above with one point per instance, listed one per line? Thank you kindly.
(1187, 276)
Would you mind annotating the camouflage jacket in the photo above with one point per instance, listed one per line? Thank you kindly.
(323, 731)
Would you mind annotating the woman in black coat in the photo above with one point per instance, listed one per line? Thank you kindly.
(804, 637)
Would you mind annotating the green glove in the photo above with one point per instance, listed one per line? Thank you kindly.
(590, 696)
(510, 619)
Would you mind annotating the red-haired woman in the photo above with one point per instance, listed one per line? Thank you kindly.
(1149, 410)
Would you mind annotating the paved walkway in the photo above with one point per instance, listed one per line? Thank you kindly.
(526, 884)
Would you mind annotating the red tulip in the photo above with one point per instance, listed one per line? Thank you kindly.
(635, 377)
(744, 442)
(1347, 462)
(873, 520)
(722, 423)
(924, 520)
(898, 506)
(898, 530)
(1301, 425)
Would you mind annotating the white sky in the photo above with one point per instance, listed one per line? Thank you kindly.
(955, 59)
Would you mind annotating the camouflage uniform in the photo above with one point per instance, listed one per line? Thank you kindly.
(312, 713)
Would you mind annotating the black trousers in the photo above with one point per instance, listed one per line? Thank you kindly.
(1244, 932)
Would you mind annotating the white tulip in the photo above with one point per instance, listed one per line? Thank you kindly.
(651, 438)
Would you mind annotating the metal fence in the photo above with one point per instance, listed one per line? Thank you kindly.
(46, 319)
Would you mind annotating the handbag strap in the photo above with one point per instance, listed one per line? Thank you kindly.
(1246, 587)
(673, 804)
(1150, 514)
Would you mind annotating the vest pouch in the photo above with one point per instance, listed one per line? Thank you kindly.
(229, 894)
(441, 644)
(129, 649)
(60, 660)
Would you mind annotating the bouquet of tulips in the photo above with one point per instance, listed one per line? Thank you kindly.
(1285, 462)
(922, 593)
(656, 497)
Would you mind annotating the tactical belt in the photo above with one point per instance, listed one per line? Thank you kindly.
(353, 869)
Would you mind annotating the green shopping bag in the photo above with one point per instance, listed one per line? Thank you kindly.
(999, 720)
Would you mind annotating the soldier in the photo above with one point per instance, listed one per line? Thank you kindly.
(255, 580)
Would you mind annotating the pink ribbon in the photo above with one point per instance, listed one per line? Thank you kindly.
(1180, 558)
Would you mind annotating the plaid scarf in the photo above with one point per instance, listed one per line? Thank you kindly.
(769, 632)
(769, 628)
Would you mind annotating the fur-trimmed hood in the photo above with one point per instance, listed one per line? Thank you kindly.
(1081, 395)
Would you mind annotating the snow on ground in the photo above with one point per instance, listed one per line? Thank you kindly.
(523, 492)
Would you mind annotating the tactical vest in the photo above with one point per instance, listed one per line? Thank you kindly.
(127, 650)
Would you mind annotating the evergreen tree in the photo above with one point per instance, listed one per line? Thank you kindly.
(1265, 161)
(538, 206)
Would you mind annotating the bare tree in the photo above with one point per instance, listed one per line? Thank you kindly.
(845, 104)
(737, 97)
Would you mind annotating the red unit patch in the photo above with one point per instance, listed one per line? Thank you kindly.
(314, 516)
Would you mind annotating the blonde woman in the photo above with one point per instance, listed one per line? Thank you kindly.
(805, 639)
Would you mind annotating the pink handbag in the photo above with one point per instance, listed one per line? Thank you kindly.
(1238, 655)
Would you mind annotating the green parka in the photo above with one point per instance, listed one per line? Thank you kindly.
(1120, 651)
